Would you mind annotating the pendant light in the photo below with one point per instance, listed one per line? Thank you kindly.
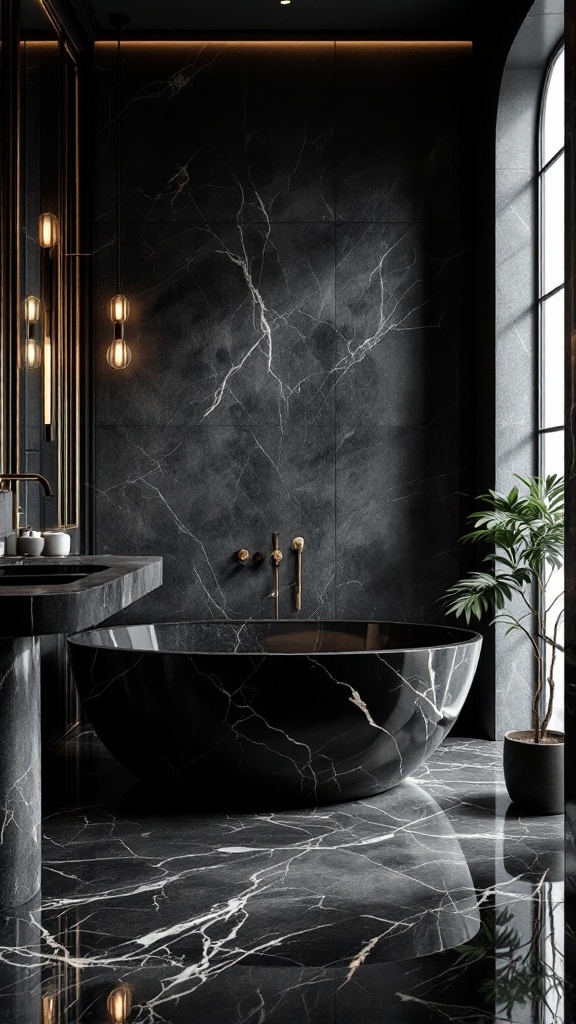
(48, 236)
(118, 354)
(32, 350)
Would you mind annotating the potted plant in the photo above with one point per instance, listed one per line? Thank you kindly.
(526, 533)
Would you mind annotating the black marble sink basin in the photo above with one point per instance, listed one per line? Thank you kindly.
(40, 596)
(46, 575)
(46, 580)
(62, 569)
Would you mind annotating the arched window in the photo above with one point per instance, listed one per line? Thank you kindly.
(551, 288)
(551, 305)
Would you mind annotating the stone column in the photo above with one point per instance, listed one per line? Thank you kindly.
(20, 812)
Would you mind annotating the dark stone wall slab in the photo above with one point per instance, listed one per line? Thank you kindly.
(297, 259)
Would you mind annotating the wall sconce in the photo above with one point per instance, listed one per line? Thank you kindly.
(32, 351)
(48, 232)
(119, 1003)
(118, 354)
(119, 309)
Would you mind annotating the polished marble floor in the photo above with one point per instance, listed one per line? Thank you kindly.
(434, 902)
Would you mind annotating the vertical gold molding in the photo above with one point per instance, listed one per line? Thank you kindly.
(10, 232)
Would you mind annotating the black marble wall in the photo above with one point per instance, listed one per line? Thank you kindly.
(297, 260)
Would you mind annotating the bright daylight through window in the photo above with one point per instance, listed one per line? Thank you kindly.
(551, 312)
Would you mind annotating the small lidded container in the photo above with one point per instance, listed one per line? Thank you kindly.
(56, 543)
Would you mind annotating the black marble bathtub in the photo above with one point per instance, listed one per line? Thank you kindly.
(272, 713)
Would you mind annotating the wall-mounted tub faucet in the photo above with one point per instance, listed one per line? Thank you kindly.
(276, 557)
(297, 546)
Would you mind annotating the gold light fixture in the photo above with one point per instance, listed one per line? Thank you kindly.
(119, 309)
(118, 354)
(48, 236)
(47, 379)
(50, 1006)
(119, 1003)
(48, 230)
(32, 351)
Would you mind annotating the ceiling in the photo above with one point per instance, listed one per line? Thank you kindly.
(408, 19)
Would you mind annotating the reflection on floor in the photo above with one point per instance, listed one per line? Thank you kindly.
(434, 902)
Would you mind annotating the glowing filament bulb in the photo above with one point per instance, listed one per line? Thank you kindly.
(31, 309)
(32, 354)
(119, 354)
(119, 309)
(119, 1003)
(47, 230)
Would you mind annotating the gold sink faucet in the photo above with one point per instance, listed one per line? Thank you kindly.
(27, 476)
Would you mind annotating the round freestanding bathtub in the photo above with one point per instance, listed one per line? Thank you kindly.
(271, 712)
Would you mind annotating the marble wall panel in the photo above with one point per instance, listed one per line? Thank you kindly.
(399, 314)
(198, 494)
(229, 324)
(400, 131)
(298, 274)
(397, 520)
(219, 132)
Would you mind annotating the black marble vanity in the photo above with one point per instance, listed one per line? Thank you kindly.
(38, 597)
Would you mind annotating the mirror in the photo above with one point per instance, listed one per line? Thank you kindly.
(40, 351)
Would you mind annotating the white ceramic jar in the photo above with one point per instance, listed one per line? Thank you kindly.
(33, 546)
(56, 544)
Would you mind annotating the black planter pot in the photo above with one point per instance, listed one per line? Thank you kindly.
(534, 773)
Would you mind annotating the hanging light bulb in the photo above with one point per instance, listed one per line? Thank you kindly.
(47, 230)
(119, 1003)
(32, 350)
(32, 354)
(119, 354)
(31, 309)
(119, 309)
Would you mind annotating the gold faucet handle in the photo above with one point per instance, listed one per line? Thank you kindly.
(242, 555)
(297, 546)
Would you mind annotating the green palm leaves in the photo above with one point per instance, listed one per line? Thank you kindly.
(526, 532)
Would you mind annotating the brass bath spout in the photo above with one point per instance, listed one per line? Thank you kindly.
(276, 557)
(297, 546)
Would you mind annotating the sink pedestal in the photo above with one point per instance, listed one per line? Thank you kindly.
(60, 595)
(20, 851)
